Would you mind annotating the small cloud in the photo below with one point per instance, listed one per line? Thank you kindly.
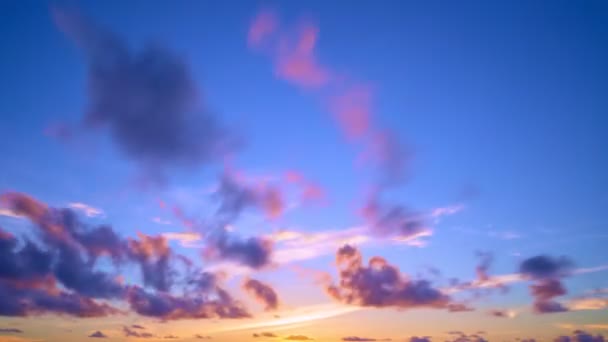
(202, 337)
(502, 313)
(137, 326)
(86, 209)
(298, 338)
(98, 334)
(185, 239)
(170, 337)
(264, 334)
(363, 339)
(159, 220)
(11, 331)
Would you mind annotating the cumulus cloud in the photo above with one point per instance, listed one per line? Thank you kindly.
(61, 276)
(546, 273)
(380, 284)
(264, 293)
(98, 334)
(146, 100)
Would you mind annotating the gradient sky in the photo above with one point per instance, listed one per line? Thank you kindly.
(462, 141)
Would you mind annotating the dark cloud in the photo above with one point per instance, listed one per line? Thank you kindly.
(152, 253)
(580, 336)
(61, 276)
(254, 252)
(265, 334)
(202, 337)
(542, 267)
(548, 306)
(298, 338)
(381, 285)
(98, 334)
(546, 273)
(419, 339)
(11, 331)
(499, 313)
(263, 293)
(28, 283)
(146, 100)
(137, 326)
(169, 307)
(128, 332)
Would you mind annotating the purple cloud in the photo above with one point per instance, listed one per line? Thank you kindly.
(98, 334)
(146, 100)
(380, 284)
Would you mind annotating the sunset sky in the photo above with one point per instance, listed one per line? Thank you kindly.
(304, 170)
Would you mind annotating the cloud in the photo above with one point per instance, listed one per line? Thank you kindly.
(212, 303)
(254, 252)
(380, 284)
(11, 331)
(98, 334)
(580, 336)
(61, 277)
(128, 332)
(419, 339)
(298, 338)
(394, 221)
(202, 337)
(170, 337)
(264, 293)
(588, 303)
(152, 253)
(264, 334)
(501, 313)
(546, 272)
(485, 260)
(262, 27)
(146, 100)
(542, 267)
(459, 307)
(137, 326)
(458, 336)
(88, 210)
(309, 190)
(363, 339)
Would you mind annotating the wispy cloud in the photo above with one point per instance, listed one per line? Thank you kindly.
(88, 210)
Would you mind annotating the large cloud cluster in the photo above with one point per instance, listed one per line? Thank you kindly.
(380, 284)
(58, 271)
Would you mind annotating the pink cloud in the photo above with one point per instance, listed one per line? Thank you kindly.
(352, 110)
(296, 61)
(262, 27)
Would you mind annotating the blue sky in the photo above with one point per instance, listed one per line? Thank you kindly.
(501, 105)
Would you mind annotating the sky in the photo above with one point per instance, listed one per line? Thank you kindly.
(303, 170)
